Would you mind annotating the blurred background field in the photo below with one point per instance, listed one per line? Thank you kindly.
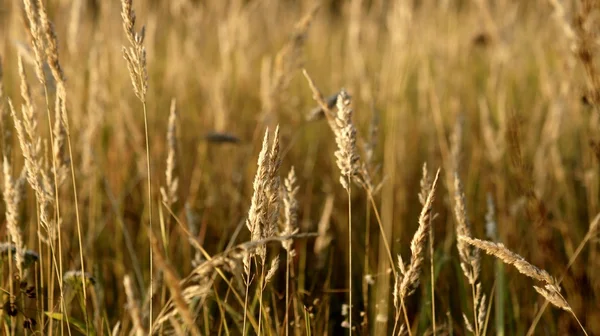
(505, 94)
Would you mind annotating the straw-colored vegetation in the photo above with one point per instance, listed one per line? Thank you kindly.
(244, 167)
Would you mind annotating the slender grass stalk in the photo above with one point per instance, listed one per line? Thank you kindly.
(432, 271)
(135, 56)
(149, 180)
(290, 205)
(366, 270)
(260, 296)
(246, 296)
(384, 238)
(287, 294)
(349, 190)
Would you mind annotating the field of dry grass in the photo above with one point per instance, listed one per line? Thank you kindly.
(278, 167)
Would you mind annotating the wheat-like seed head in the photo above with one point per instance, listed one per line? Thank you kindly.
(272, 270)
(551, 289)
(36, 175)
(26, 95)
(425, 185)
(37, 41)
(552, 294)
(169, 193)
(347, 157)
(272, 191)
(480, 306)
(135, 55)
(469, 257)
(60, 154)
(410, 277)
(257, 215)
(51, 49)
(501, 252)
(12, 200)
(290, 208)
(128, 16)
(264, 208)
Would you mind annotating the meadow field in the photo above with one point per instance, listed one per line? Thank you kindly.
(300, 167)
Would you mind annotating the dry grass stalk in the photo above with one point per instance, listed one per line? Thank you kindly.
(60, 154)
(479, 313)
(272, 270)
(51, 49)
(264, 209)
(36, 175)
(499, 251)
(135, 55)
(551, 289)
(12, 199)
(290, 208)
(470, 260)
(469, 256)
(28, 108)
(272, 191)
(425, 184)
(408, 278)
(347, 160)
(37, 40)
(175, 288)
(133, 308)
(263, 213)
(169, 192)
(339, 116)
(347, 157)
(326, 106)
(425, 188)
(61, 132)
